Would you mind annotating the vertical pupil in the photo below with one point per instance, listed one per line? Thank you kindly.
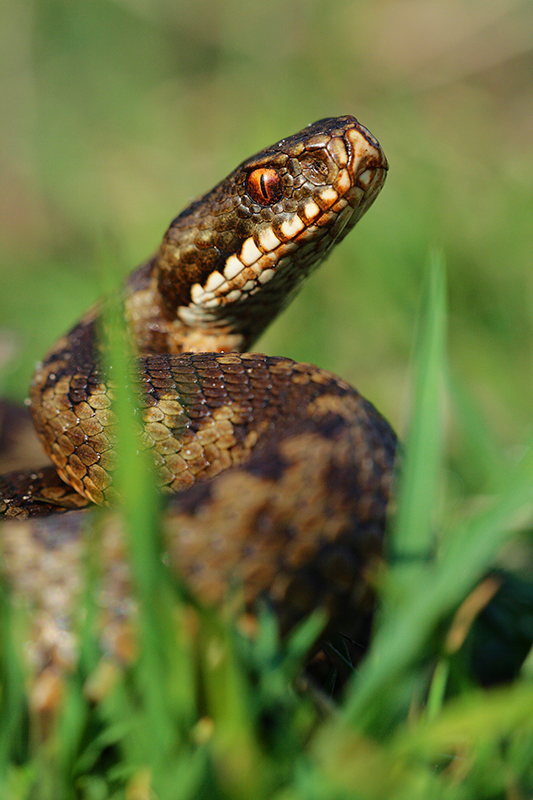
(262, 182)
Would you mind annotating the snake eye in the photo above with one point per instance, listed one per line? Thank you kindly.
(264, 185)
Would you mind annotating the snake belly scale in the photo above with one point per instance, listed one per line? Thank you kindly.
(279, 472)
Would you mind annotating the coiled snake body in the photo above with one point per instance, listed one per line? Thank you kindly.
(282, 471)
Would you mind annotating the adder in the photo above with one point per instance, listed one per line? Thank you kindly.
(279, 472)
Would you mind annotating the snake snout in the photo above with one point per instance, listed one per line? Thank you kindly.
(367, 165)
(365, 150)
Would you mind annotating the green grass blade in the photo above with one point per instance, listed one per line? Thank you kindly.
(163, 675)
(481, 458)
(413, 527)
(471, 720)
(12, 692)
(412, 534)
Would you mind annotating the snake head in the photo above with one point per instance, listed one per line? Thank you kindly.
(237, 255)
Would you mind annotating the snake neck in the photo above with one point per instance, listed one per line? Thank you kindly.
(153, 330)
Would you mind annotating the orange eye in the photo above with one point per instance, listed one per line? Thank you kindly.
(264, 186)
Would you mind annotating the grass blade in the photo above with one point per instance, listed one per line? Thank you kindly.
(414, 524)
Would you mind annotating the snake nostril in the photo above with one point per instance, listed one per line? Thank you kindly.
(316, 169)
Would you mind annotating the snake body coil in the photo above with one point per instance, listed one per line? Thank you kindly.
(282, 471)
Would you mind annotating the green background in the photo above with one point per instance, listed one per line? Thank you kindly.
(116, 114)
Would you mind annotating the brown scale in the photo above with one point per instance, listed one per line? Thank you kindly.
(280, 471)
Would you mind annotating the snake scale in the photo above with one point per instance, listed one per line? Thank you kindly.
(280, 472)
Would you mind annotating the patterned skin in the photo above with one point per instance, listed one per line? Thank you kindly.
(280, 472)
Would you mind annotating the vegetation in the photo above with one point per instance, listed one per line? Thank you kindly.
(118, 113)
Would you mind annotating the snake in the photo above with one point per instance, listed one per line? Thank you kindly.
(278, 473)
